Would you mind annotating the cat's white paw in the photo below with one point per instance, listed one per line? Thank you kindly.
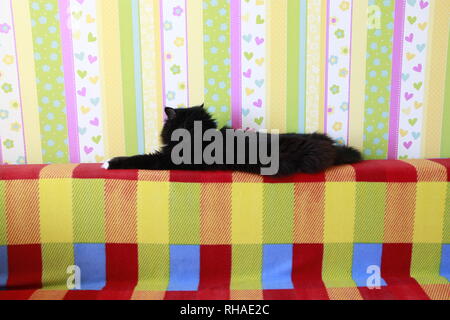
(106, 165)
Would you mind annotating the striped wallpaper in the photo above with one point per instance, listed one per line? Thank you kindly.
(85, 80)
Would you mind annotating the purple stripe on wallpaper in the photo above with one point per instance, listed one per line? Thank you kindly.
(396, 78)
(69, 79)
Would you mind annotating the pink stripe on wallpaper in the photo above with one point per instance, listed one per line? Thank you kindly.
(236, 64)
(69, 79)
(396, 78)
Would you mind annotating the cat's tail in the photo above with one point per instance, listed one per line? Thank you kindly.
(347, 155)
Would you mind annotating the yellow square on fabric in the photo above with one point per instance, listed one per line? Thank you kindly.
(430, 208)
(247, 211)
(56, 210)
(339, 212)
(153, 212)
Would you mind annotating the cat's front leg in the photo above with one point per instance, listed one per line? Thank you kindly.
(140, 162)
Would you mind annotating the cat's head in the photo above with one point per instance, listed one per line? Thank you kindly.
(184, 118)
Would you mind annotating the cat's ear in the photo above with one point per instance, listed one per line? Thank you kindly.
(202, 106)
(170, 112)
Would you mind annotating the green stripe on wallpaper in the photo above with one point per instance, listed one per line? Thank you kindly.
(128, 79)
(293, 65)
(216, 28)
(378, 75)
(445, 147)
(50, 80)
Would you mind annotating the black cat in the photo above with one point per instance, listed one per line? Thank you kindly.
(297, 153)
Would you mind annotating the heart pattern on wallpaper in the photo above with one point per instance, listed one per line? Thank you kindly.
(253, 46)
(412, 86)
(88, 82)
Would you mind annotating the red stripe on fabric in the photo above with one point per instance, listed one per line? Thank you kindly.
(81, 295)
(181, 295)
(214, 294)
(215, 267)
(22, 172)
(384, 293)
(396, 260)
(400, 171)
(95, 171)
(445, 163)
(315, 292)
(16, 294)
(119, 294)
(307, 271)
(121, 266)
(279, 295)
(201, 176)
(24, 267)
(406, 289)
(385, 171)
(395, 270)
(295, 178)
(371, 171)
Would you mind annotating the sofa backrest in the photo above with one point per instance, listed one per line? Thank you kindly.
(85, 80)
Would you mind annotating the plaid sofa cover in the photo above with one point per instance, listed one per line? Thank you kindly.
(222, 235)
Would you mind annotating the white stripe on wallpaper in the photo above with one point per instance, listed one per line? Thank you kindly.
(337, 90)
(415, 48)
(174, 47)
(253, 47)
(12, 148)
(87, 79)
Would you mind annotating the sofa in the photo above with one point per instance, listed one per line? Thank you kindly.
(379, 229)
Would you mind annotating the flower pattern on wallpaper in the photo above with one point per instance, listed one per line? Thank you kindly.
(87, 78)
(12, 145)
(413, 79)
(173, 22)
(338, 69)
(253, 47)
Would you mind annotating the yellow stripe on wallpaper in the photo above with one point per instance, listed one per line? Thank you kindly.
(313, 77)
(27, 77)
(277, 59)
(108, 16)
(158, 62)
(435, 79)
(358, 77)
(323, 64)
(195, 52)
(149, 73)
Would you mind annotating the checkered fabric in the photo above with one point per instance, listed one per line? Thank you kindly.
(224, 235)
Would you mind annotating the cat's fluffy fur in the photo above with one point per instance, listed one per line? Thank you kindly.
(299, 153)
